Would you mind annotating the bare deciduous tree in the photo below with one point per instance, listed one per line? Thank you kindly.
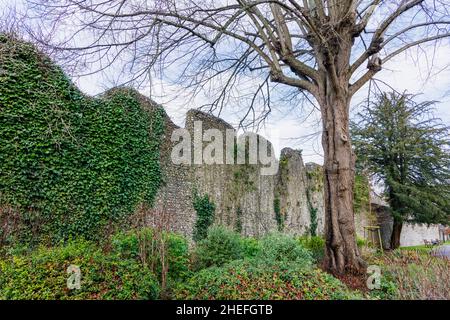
(324, 50)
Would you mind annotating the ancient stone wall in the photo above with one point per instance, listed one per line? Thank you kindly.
(291, 189)
(174, 199)
(245, 200)
(412, 234)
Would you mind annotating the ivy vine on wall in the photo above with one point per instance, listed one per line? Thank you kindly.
(205, 210)
(312, 215)
(238, 223)
(278, 215)
(71, 164)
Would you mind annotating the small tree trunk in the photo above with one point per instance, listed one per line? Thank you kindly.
(396, 232)
(341, 254)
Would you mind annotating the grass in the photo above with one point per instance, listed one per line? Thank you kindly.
(421, 248)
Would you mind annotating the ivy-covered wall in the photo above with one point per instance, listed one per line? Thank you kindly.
(70, 164)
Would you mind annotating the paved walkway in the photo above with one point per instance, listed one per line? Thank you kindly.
(442, 251)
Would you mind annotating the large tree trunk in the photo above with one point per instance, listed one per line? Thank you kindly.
(341, 254)
(396, 232)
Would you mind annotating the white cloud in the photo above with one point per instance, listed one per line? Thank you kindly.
(404, 73)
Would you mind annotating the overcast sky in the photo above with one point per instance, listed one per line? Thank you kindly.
(421, 72)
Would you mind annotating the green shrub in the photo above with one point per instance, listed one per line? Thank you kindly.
(249, 279)
(178, 257)
(42, 275)
(278, 215)
(282, 248)
(250, 247)
(314, 244)
(151, 248)
(220, 246)
(127, 243)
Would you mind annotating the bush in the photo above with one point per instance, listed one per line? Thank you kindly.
(223, 245)
(388, 288)
(43, 275)
(282, 248)
(411, 275)
(250, 247)
(150, 247)
(314, 244)
(251, 280)
(220, 246)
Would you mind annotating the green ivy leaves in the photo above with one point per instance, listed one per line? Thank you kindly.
(69, 163)
(205, 209)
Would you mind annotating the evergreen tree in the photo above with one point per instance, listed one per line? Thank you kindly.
(407, 149)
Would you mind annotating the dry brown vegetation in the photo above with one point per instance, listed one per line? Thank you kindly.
(414, 275)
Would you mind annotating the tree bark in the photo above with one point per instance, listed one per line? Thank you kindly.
(396, 232)
(341, 254)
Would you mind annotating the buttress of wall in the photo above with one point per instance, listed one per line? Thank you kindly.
(174, 199)
(291, 189)
(211, 179)
(253, 196)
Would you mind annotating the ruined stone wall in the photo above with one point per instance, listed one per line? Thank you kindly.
(384, 220)
(174, 199)
(291, 189)
(244, 199)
